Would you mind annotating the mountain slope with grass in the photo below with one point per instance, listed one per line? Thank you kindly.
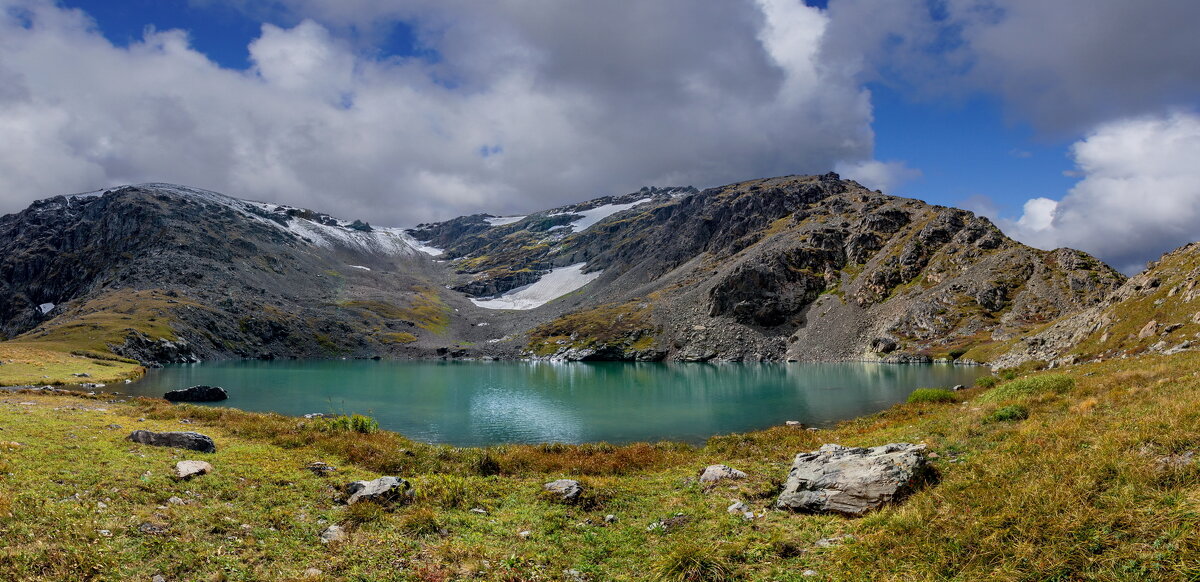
(1085, 473)
(796, 267)
(1155, 312)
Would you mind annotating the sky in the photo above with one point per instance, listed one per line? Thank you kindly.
(1069, 123)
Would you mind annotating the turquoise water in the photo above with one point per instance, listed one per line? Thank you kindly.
(487, 403)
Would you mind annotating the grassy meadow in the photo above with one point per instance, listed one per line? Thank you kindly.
(1079, 474)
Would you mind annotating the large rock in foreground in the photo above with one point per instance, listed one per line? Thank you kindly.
(851, 480)
(192, 441)
(384, 490)
(197, 394)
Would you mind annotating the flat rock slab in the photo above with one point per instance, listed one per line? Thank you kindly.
(567, 490)
(851, 480)
(189, 469)
(715, 473)
(192, 441)
(197, 394)
(381, 490)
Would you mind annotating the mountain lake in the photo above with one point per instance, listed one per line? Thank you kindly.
(490, 403)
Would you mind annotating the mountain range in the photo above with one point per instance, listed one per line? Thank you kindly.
(800, 268)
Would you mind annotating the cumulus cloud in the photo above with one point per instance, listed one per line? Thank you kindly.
(523, 105)
(1139, 194)
(874, 174)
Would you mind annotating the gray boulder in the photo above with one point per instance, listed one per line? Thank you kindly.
(197, 394)
(382, 490)
(851, 480)
(567, 490)
(193, 441)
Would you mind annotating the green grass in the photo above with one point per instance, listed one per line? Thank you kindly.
(1077, 491)
(931, 396)
(986, 381)
(1029, 386)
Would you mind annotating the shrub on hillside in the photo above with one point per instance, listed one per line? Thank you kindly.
(1008, 413)
(687, 562)
(1033, 385)
(930, 396)
(354, 423)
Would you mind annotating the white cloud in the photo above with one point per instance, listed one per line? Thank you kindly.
(874, 174)
(1139, 194)
(569, 100)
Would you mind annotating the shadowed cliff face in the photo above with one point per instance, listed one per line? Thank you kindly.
(796, 267)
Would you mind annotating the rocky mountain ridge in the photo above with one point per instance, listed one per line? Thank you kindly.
(787, 268)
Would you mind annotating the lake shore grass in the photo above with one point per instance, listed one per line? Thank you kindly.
(1090, 481)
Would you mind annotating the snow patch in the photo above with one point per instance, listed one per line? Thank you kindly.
(598, 213)
(551, 286)
(360, 267)
(503, 220)
(46, 308)
(424, 247)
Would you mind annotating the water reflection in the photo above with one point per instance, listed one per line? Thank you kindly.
(482, 403)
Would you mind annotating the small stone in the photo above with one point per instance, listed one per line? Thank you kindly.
(610, 518)
(313, 573)
(715, 473)
(568, 490)
(172, 500)
(958, 387)
(104, 533)
(189, 469)
(142, 419)
(153, 529)
(381, 490)
(795, 423)
(738, 507)
(158, 578)
(479, 510)
(320, 469)
(524, 534)
(333, 533)
(809, 573)
(101, 505)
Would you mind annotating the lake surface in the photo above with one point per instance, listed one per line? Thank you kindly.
(487, 403)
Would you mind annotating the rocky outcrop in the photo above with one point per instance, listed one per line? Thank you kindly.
(192, 441)
(138, 346)
(1156, 311)
(197, 394)
(851, 480)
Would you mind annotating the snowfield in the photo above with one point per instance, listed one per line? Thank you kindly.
(551, 286)
(503, 220)
(598, 213)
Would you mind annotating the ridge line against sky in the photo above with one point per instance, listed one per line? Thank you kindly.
(1070, 123)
